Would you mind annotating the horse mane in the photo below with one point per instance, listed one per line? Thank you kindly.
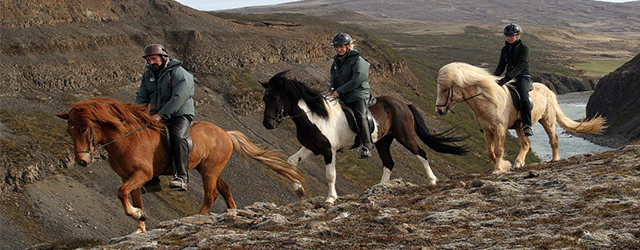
(465, 75)
(296, 90)
(123, 117)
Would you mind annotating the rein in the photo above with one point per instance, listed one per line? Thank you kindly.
(450, 102)
(92, 141)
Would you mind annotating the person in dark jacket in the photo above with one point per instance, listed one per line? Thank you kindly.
(168, 90)
(515, 58)
(349, 73)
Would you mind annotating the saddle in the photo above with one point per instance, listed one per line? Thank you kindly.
(167, 145)
(516, 102)
(351, 119)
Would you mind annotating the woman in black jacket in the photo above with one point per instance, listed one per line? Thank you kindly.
(515, 58)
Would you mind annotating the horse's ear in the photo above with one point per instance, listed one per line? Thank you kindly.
(264, 84)
(63, 116)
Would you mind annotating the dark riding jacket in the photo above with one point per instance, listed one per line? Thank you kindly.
(168, 94)
(349, 77)
(515, 57)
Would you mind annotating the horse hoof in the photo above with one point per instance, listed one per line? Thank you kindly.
(300, 192)
(143, 216)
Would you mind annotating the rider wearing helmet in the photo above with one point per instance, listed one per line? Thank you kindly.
(349, 73)
(168, 90)
(515, 58)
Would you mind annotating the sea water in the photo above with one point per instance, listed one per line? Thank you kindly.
(574, 106)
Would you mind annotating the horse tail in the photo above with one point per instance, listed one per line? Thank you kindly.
(592, 126)
(268, 157)
(438, 141)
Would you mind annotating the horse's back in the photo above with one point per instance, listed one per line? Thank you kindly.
(208, 136)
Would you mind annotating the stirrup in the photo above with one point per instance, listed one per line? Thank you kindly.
(527, 130)
(178, 184)
(365, 152)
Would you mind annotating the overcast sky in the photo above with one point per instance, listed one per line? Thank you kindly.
(233, 4)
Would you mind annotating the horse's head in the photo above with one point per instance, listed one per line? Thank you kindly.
(276, 104)
(84, 137)
(445, 93)
(460, 82)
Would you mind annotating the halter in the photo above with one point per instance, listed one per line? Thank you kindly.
(281, 116)
(449, 101)
(92, 141)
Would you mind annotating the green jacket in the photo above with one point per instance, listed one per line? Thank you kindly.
(514, 57)
(349, 77)
(170, 93)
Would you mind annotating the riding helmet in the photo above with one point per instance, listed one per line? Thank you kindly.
(512, 29)
(155, 49)
(341, 39)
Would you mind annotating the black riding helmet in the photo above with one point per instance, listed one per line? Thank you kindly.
(155, 49)
(341, 39)
(512, 29)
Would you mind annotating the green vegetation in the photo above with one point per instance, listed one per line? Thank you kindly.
(601, 67)
(39, 132)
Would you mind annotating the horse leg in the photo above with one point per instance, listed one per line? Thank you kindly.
(488, 138)
(296, 158)
(383, 146)
(410, 143)
(549, 126)
(330, 172)
(224, 190)
(502, 166)
(525, 145)
(136, 198)
(132, 186)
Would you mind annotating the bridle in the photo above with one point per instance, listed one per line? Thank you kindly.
(92, 141)
(449, 102)
(281, 116)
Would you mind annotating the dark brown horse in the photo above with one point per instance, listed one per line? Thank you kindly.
(136, 152)
(323, 129)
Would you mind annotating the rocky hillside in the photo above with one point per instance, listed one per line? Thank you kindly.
(616, 98)
(584, 202)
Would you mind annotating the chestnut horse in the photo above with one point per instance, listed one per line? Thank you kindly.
(136, 152)
(323, 129)
(495, 113)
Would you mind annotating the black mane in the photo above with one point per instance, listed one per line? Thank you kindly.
(296, 90)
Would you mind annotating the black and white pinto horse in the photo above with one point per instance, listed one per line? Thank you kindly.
(323, 129)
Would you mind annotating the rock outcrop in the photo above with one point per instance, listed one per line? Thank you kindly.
(584, 202)
(616, 98)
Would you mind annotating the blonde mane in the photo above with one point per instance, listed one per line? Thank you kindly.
(465, 75)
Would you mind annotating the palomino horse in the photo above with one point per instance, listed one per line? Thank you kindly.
(323, 129)
(136, 152)
(495, 113)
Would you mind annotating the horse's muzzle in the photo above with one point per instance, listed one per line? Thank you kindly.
(442, 111)
(269, 123)
(83, 160)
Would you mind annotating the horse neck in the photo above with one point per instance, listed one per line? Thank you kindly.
(128, 143)
(492, 99)
(303, 117)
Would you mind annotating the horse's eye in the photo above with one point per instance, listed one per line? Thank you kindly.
(83, 130)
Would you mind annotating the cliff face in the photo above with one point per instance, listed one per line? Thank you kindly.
(616, 98)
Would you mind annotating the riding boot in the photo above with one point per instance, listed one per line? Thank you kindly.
(523, 85)
(178, 134)
(360, 113)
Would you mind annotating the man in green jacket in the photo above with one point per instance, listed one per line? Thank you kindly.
(349, 73)
(168, 90)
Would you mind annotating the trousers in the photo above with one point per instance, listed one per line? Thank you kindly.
(523, 85)
(178, 128)
(360, 110)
